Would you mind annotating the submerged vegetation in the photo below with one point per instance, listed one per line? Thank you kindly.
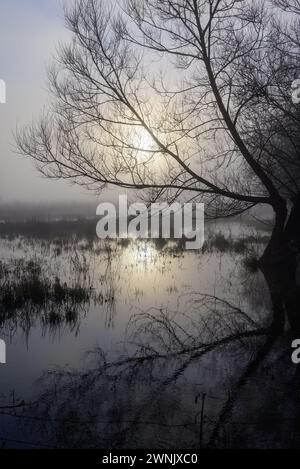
(32, 287)
(27, 293)
(60, 287)
(241, 245)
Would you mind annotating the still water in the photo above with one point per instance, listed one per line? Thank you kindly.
(166, 348)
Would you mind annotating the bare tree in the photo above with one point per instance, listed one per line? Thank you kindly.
(177, 99)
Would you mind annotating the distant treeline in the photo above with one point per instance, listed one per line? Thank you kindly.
(21, 212)
(51, 229)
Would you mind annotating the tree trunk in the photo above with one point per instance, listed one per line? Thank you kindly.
(284, 245)
(273, 253)
(279, 264)
(292, 229)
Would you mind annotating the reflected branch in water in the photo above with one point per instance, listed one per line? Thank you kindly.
(142, 387)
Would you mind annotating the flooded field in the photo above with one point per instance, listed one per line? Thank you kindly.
(142, 344)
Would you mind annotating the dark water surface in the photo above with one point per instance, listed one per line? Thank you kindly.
(143, 346)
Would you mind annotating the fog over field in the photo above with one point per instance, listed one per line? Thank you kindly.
(167, 318)
(25, 53)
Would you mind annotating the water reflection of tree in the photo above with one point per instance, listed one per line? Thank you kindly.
(220, 359)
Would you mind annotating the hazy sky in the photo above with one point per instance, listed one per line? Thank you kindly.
(30, 30)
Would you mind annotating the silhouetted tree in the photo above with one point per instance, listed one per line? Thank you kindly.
(182, 99)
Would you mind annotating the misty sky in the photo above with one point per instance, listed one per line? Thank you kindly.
(30, 31)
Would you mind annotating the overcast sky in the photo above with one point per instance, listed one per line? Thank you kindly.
(30, 31)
